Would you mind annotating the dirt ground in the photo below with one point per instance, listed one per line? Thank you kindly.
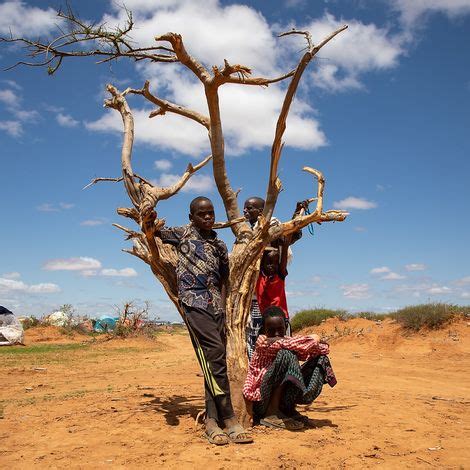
(401, 402)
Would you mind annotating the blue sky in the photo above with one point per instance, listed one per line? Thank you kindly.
(383, 113)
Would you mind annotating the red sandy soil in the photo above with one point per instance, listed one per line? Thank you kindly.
(402, 401)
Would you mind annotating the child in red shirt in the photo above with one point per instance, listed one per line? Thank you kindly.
(270, 287)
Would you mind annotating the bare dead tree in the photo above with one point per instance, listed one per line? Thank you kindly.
(144, 196)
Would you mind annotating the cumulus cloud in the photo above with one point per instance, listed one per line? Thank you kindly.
(438, 290)
(82, 263)
(12, 128)
(249, 113)
(356, 291)
(162, 164)
(21, 20)
(94, 222)
(12, 275)
(125, 272)
(411, 12)
(196, 184)
(353, 202)
(48, 207)
(415, 267)
(464, 281)
(391, 276)
(381, 270)
(8, 97)
(12, 285)
(65, 120)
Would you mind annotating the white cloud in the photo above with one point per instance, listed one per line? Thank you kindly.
(163, 164)
(415, 267)
(125, 272)
(298, 293)
(65, 120)
(465, 295)
(196, 184)
(464, 281)
(412, 11)
(438, 290)
(361, 48)
(381, 270)
(12, 275)
(13, 128)
(354, 203)
(249, 113)
(82, 263)
(8, 97)
(21, 19)
(47, 207)
(391, 276)
(356, 291)
(360, 229)
(316, 279)
(94, 222)
(11, 285)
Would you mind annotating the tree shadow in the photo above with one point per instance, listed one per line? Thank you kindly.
(319, 423)
(176, 406)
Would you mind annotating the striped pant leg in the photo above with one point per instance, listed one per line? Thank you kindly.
(207, 332)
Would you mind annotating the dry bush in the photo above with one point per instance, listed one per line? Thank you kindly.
(428, 316)
(314, 317)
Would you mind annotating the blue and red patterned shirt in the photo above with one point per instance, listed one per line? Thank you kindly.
(202, 267)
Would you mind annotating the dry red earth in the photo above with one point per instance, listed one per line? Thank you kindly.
(401, 402)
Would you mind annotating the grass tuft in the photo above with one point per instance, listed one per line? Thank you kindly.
(315, 316)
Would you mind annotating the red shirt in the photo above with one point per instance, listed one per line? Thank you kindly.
(304, 346)
(271, 291)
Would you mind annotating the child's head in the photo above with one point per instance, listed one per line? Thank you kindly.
(201, 213)
(274, 325)
(270, 262)
(253, 208)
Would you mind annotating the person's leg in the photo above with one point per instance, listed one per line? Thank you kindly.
(204, 329)
(253, 327)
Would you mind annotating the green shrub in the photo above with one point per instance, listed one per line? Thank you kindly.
(30, 322)
(430, 316)
(314, 317)
(373, 316)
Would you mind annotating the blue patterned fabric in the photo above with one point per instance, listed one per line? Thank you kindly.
(202, 267)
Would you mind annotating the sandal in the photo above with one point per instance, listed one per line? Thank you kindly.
(281, 422)
(238, 435)
(214, 437)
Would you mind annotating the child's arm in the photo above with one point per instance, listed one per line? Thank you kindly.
(284, 245)
(303, 346)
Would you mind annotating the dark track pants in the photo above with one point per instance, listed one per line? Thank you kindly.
(207, 332)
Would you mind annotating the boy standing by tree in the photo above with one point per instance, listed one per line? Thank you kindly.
(202, 276)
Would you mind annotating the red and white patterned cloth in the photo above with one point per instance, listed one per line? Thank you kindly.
(265, 352)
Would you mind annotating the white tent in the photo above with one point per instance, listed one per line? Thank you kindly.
(11, 330)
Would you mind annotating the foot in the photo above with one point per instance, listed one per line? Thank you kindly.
(214, 434)
(281, 421)
(236, 432)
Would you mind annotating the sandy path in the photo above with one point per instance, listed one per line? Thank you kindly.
(131, 404)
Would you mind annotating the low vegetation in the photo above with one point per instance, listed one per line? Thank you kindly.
(315, 317)
(414, 317)
(428, 316)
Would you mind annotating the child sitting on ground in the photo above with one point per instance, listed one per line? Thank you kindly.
(276, 382)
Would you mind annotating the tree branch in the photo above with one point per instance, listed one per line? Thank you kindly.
(166, 106)
(274, 184)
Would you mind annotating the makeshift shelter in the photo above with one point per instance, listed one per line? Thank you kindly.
(11, 330)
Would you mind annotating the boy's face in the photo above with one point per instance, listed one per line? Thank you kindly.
(203, 216)
(252, 210)
(274, 327)
(270, 263)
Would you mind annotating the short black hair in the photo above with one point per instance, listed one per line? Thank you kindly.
(258, 199)
(195, 202)
(273, 311)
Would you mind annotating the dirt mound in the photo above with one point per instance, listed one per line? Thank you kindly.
(387, 335)
(52, 334)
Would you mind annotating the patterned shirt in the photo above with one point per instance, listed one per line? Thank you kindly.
(202, 266)
(304, 346)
